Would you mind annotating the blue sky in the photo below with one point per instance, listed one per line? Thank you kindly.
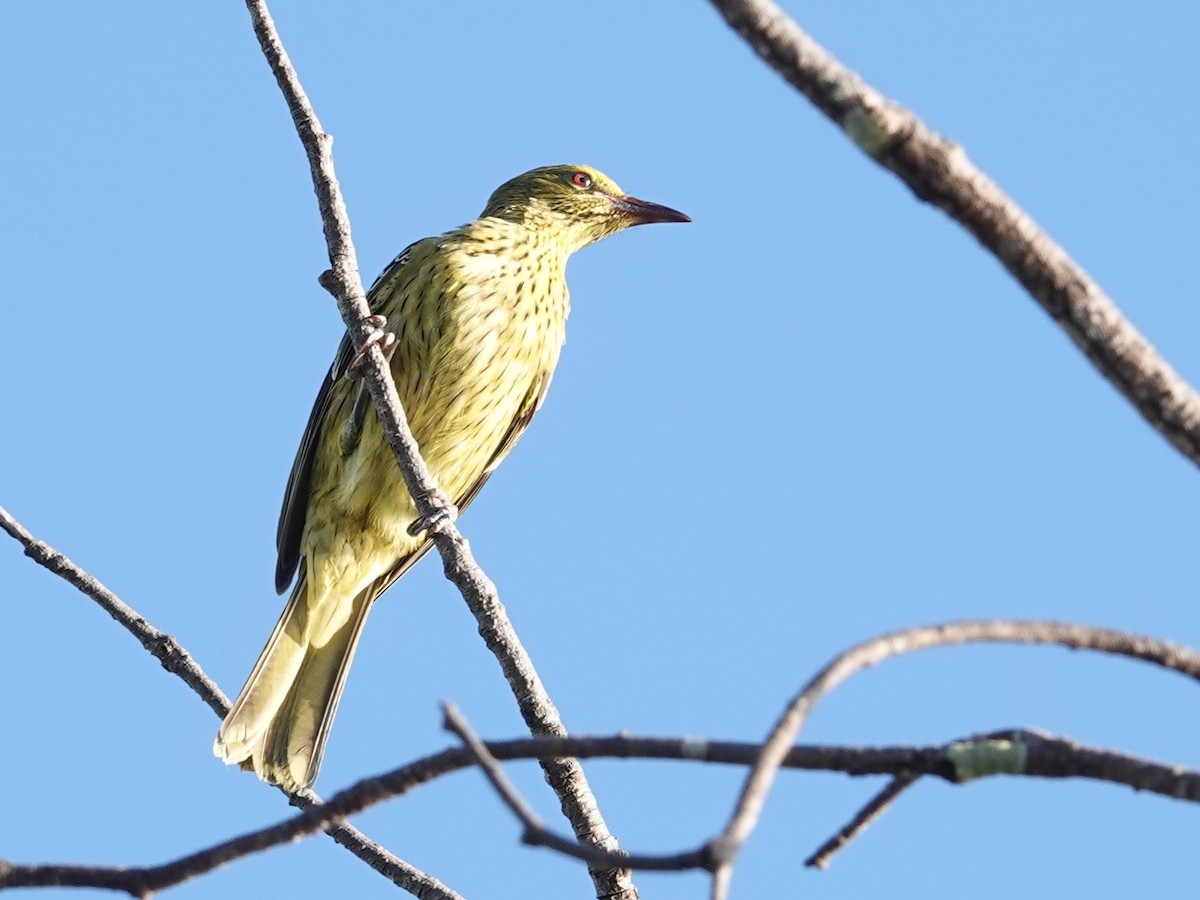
(817, 413)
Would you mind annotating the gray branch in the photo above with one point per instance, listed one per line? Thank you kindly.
(344, 282)
(1012, 752)
(873, 809)
(725, 847)
(1020, 753)
(938, 172)
(176, 660)
(162, 646)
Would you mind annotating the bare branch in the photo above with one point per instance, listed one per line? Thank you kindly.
(402, 874)
(344, 282)
(176, 660)
(162, 646)
(1007, 752)
(456, 724)
(1011, 752)
(744, 818)
(874, 808)
(536, 834)
(1016, 752)
(146, 881)
(938, 172)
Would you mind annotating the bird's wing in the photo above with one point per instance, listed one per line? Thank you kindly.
(532, 403)
(295, 496)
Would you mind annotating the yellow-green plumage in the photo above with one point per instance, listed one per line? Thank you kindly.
(479, 316)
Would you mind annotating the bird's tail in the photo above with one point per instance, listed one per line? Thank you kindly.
(280, 721)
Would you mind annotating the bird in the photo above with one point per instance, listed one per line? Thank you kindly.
(478, 316)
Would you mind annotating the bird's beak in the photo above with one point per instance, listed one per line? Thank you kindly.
(643, 212)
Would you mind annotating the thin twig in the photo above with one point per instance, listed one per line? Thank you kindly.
(161, 646)
(396, 870)
(873, 809)
(744, 818)
(535, 832)
(176, 660)
(1039, 755)
(454, 722)
(938, 172)
(344, 282)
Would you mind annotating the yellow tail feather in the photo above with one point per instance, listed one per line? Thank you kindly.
(280, 721)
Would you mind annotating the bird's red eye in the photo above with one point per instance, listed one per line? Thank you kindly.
(581, 180)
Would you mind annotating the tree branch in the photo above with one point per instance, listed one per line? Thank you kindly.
(564, 775)
(873, 809)
(1009, 752)
(535, 833)
(938, 172)
(725, 847)
(162, 646)
(176, 660)
(1006, 752)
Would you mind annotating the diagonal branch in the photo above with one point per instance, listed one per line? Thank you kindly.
(874, 808)
(162, 646)
(938, 172)
(536, 834)
(176, 660)
(344, 282)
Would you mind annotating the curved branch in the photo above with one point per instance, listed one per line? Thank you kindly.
(938, 172)
(744, 818)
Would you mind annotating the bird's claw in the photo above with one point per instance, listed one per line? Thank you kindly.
(385, 339)
(444, 513)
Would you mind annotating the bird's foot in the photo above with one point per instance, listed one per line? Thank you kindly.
(385, 339)
(444, 513)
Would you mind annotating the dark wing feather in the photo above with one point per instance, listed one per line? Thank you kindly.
(295, 496)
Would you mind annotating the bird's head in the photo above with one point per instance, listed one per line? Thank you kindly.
(578, 203)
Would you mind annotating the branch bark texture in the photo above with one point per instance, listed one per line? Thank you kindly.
(939, 172)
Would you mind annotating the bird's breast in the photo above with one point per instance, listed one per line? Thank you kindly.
(500, 325)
